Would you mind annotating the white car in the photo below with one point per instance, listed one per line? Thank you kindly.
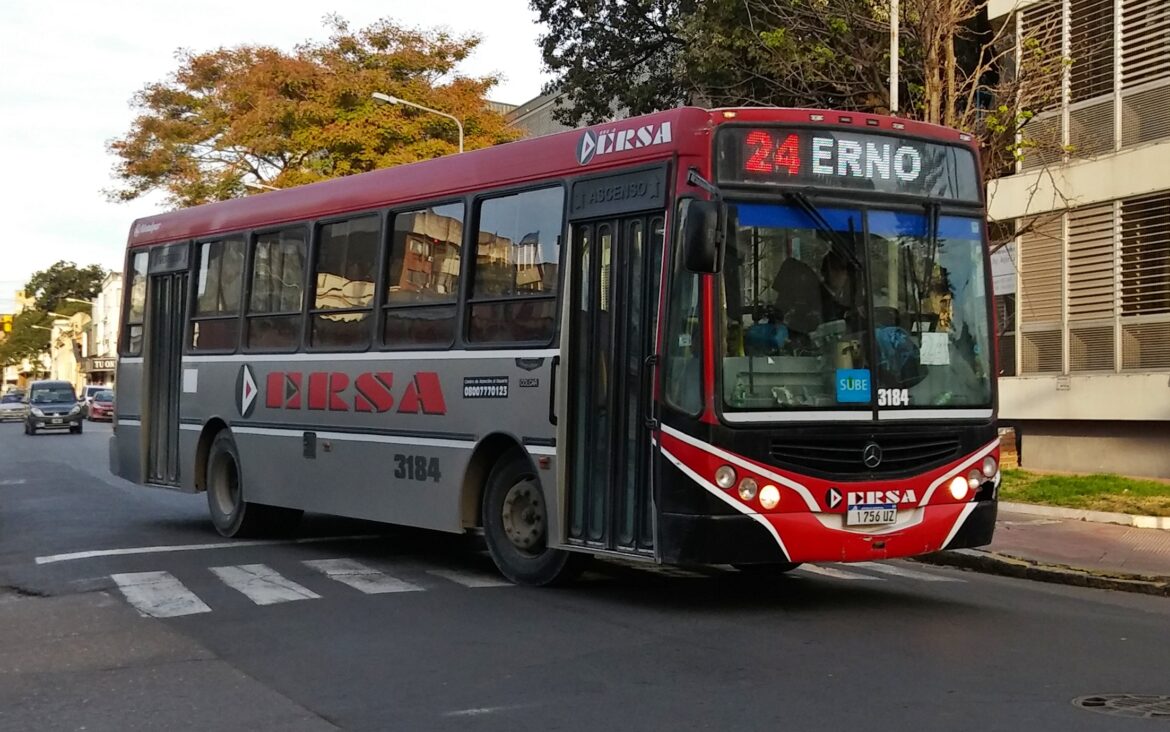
(12, 407)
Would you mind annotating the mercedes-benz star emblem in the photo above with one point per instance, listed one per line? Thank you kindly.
(871, 455)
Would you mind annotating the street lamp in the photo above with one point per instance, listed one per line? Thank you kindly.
(387, 99)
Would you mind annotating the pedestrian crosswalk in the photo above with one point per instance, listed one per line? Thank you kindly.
(159, 594)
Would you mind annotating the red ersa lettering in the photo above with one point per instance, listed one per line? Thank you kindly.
(373, 391)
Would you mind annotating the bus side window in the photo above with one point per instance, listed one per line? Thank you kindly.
(683, 347)
(517, 258)
(135, 306)
(215, 324)
(422, 281)
(277, 292)
(347, 258)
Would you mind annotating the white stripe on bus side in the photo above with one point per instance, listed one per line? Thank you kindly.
(354, 437)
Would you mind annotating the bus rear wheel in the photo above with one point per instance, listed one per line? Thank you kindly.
(515, 526)
(230, 513)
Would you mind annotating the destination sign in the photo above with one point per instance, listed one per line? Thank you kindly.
(847, 159)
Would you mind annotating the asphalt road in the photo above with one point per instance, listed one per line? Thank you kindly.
(414, 631)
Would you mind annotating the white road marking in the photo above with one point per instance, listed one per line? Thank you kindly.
(895, 570)
(263, 585)
(159, 595)
(470, 579)
(13, 481)
(835, 573)
(359, 576)
(195, 547)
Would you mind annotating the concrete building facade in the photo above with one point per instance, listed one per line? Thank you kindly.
(1083, 293)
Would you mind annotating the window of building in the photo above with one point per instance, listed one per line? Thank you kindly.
(513, 297)
(277, 292)
(345, 266)
(422, 280)
(215, 324)
(136, 305)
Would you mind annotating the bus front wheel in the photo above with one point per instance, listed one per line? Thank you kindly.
(515, 526)
(230, 513)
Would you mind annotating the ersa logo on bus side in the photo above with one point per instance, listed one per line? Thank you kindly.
(333, 391)
(595, 144)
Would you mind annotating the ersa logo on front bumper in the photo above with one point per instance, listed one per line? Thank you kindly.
(605, 142)
(834, 498)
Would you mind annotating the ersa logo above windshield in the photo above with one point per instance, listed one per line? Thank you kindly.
(604, 142)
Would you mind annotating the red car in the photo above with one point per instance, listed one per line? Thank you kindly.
(102, 406)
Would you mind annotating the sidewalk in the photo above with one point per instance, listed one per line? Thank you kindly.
(1071, 551)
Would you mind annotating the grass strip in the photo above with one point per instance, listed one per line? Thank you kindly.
(1090, 492)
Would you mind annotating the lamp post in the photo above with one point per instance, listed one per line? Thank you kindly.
(387, 99)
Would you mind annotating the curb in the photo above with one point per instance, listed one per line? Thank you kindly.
(1002, 564)
(1076, 514)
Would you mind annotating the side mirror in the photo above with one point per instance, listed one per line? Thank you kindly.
(701, 240)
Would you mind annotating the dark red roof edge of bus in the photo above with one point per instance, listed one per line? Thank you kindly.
(514, 163)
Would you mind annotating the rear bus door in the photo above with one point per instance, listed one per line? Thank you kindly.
(616, 254)
(166, 313)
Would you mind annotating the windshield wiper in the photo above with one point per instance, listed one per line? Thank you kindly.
(825, 228)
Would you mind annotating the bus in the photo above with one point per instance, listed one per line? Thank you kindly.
(753, 337)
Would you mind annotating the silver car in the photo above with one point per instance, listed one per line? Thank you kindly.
(12, 407)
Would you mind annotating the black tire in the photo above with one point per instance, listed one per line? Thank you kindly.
(231, 515)
(774, 569)
(76, 429)
(517, 542)
(29, 429)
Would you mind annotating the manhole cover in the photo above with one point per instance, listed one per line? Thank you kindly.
(1127, 705)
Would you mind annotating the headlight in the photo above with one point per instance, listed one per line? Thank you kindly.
(769, 496)
(747, 489)
(76, 409)
(37, 412)
(989, 466)
(958, 487)
(725, 476)
(974, 479)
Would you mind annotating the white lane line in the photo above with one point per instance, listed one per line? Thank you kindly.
(359, 576)
(262, 585)
(835, 573)
(13, 481)
(897, 571)
(195, 547)
(158, 595)
(470, 579)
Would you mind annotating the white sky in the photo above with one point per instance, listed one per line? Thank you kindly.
(68, 69)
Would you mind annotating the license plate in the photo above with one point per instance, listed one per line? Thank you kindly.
(58, 421)
(875, 514)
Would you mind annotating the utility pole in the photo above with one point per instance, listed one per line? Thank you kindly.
(893, 56)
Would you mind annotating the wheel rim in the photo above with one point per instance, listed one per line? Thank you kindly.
(524, 516)
(225, 484)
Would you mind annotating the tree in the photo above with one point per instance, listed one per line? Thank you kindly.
(261, 115)
(64, 280)
(29, 338)
(614, 54)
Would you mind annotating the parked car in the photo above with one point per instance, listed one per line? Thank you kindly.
(52, 405)
(87, 393)
(102, 406)
(12, 407)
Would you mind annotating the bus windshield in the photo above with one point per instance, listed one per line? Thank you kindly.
(845, 309)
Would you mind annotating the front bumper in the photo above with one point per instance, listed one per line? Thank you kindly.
(742, 539)
(55, 422)
(13, 416)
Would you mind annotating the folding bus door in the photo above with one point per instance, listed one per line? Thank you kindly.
(166, 314)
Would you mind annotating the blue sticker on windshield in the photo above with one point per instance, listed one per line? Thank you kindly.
(852, 386)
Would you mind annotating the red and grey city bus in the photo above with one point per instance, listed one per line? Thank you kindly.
(756, 337)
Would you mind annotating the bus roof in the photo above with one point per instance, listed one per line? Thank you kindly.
(685, 130)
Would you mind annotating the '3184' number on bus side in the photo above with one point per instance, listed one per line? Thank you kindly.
(416, 467)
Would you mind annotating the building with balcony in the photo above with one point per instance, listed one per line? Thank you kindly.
(1083, 293)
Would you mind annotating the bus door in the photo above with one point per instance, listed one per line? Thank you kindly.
(616, 262)
(166, 306)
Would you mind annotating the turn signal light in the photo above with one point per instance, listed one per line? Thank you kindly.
(725, 476)
(989, 467)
